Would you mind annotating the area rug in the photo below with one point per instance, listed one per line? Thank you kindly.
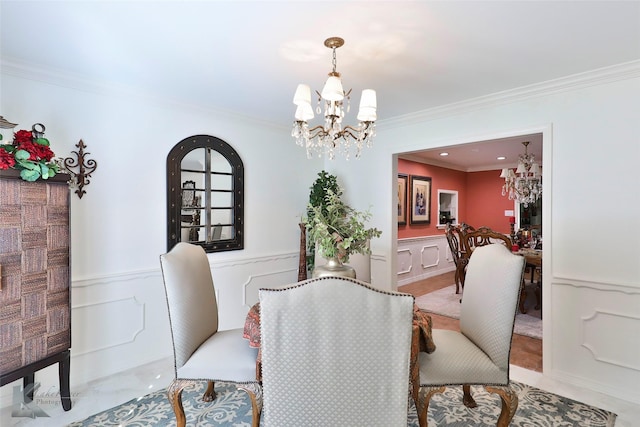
(446, 302)
(232, 408)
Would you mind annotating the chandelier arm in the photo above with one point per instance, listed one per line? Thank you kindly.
(348, 131)
(364, 130)
(317, 131)
(354, 129)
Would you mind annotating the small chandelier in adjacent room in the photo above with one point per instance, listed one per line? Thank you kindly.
(526, 186)
(333, 137)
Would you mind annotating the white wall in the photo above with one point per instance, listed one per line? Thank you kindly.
(591, 283)
(591, 148)
(118, 228)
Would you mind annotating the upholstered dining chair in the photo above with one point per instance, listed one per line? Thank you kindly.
(335, 352)
(481, 237)
(452, 232)
(479, 353)
(455, 235)
(201, 351)
(486, 236)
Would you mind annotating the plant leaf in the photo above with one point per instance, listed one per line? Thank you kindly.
(28, 165)
(42, 141)
(44, 170)
(29, 175)
(22, 155)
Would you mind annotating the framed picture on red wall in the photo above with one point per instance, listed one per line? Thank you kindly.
(402, 198)
(420, 212)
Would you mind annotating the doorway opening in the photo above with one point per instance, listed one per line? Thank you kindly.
(476, 160)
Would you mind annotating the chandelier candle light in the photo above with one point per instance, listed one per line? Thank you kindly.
(526, 187)
(333, 137)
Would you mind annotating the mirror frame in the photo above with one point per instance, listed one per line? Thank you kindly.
(174, 191)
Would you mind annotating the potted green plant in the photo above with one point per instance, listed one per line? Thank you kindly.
(318, 191)
(339, 231)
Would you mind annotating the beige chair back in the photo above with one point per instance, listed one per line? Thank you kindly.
(191, 298)
(335, 352)
(490, 301)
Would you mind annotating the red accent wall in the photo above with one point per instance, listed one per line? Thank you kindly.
(486, 202)
(480, 200)
(441, 178)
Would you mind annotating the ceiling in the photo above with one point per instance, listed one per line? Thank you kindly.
(481, 155)
(247, 57)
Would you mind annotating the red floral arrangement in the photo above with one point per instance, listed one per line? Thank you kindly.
(29, 153)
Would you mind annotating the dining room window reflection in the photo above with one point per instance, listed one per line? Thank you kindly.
(205, 179)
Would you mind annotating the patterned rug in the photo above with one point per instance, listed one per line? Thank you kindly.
(446, 302)
(232, 408)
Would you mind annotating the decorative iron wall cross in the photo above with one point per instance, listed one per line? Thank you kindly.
(84, 168)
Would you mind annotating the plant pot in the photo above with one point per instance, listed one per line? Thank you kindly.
(333, 267)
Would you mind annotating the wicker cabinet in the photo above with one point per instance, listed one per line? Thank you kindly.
(35, 311)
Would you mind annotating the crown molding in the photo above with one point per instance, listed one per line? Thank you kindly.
(624, 71)
(432, 162)
(74, 81)
(417, 159)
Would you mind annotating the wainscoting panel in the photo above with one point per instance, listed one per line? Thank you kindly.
(379, 277)
(405, 261)
(430, 257)
(273, 279)
(238, 282)
(120, 321)
(598, 338)
(604, 346)
(422, 257)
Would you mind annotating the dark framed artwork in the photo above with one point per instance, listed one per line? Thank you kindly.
(402, 198)
(420, 199)
(188, 194)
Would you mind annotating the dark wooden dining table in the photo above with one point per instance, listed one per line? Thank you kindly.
(533, 260)
(421, 341)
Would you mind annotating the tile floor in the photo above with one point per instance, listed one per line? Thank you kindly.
(96, 396)
(106, 393)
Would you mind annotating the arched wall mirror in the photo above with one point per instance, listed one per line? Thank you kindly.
(205, 194)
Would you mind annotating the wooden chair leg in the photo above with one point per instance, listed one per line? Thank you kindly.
(209, 394)
(467, 398)
(423, 402)
(174, 392)
(523, 297)
(463, 276)
(538, 290)
(509, 400)
(255, 408)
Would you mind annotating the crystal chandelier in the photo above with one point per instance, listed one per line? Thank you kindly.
(526, 186)
(333, 137)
